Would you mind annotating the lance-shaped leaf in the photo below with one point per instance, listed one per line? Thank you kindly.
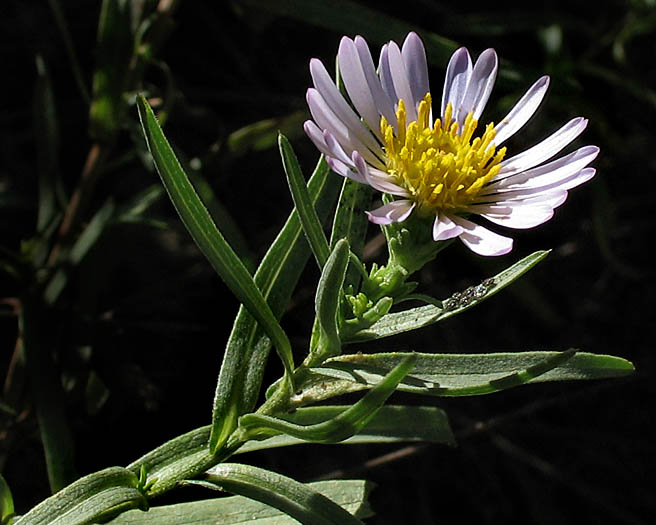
(414, 318)
(391, 424)
(344, 425)
(295, 499)
(349, 494)
(457, 374)
(303, 203)
(329, 292)
(89, 500)
(207, 236)
(245, 356)
(351, 223)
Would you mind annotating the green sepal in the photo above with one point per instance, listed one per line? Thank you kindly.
(344, 425)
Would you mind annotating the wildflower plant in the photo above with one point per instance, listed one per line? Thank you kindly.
(437, 172)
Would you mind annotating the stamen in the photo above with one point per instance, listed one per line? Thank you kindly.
(440, 166)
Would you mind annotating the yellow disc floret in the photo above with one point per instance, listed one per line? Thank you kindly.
(441, 167)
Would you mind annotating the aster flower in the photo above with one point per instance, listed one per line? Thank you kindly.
(440, 168)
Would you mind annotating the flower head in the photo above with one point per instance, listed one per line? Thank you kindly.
(446, 168)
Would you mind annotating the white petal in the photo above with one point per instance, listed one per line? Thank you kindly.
(481, 240)
(554, 171)
(335, 101)
(345, 171)
(516, 216)
(325, 142)
(326, 119)
(386, 74)
(377, 179)
(356, 84)
(401, 81)
(457, 77)
(522, 111)
(480, 85)
(444, 228)
(383, 103)
(414, 58)
(545, 149)
(565, 184)
(395, 211)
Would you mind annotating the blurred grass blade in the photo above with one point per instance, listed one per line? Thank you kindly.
(238, 386)
(303, 204)
(89, 500)
(47, 393)
(87, 239)
(351, 222)
(390, 424)
(114, 49)
(291, 497)
(47, 145)
(414, 318)
(460, 374)
(6, 502)
(349, 494)
(61, 24)
(350, 18)
(206, 235)
(343, 425)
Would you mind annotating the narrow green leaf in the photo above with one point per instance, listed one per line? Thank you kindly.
(351, 223)
(390, 424)
(183, 457)
(329, 292)
(342, 426)
(458, 375)
(200, 225)
(303, 203)
(89, 499)
(295, 499)
(414, 318)
(349, 494)
(245, 356)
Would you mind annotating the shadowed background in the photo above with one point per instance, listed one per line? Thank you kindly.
(140, 327)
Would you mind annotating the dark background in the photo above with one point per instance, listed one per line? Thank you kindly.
(151, 318)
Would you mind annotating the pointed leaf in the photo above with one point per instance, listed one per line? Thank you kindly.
(390, 424)
(291, 497)
(414, 318)
(88, 499)
(200, 225)
(303, 203)
(458, 374)
(342, 426)
(349, 494)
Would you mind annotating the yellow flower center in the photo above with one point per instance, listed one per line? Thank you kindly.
(441, 168)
